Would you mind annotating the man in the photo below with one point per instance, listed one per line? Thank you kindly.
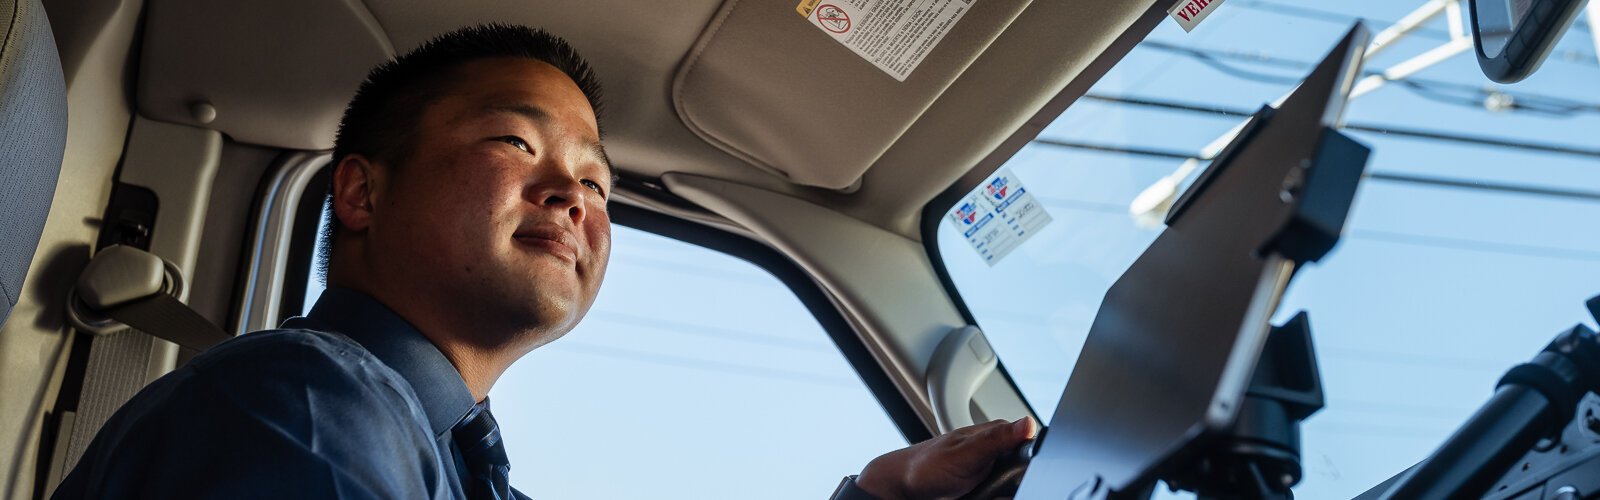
(469, 199)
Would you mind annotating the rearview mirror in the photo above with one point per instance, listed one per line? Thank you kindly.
(1514, 36)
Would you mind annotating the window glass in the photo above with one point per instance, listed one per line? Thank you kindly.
(1471, 244)
(696, 375)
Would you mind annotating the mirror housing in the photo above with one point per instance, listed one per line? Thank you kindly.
(1513, 37)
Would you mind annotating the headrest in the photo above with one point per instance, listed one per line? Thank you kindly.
(33, 130)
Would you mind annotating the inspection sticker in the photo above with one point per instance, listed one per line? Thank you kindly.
(998, 216)
(894, 35)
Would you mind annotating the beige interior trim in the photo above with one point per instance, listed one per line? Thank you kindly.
(625, 197)
(178, 163)
(276, 73)
(766, 86)
(883, 282)
(972, 94)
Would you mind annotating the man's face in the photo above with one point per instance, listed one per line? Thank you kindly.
(500, 209)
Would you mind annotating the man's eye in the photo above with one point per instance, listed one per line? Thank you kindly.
(516, 142)
(595, 186)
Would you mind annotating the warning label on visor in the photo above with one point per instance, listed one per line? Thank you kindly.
(894, 35)
(998, 216)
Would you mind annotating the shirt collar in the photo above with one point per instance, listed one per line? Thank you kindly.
(399, 345)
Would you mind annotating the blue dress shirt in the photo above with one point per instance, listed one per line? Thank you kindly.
(349, 402)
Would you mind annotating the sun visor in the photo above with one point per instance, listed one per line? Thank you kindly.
(275, 73)
(815, 93)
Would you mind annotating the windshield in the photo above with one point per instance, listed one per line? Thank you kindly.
(1470, 245)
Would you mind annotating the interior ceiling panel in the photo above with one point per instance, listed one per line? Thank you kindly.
(279, 73)
(276, 73)
(634, 46)
(766, 85)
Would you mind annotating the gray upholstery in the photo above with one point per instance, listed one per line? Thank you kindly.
(33, 136)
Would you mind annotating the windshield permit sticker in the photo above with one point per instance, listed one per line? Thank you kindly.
(998, 216)
(1189, 13)
(894, 35)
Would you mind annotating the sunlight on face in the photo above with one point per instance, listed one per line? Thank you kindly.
(501, 210)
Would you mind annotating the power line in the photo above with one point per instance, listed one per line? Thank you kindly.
(1477, 246)
(1345, 19)
(1436, 90)
(1329, 16)
(1364, 127)
(1378, 176)
(1477, 140)
(711, 331)
(806, 377)
(1215, 60)
(1106, 148)
(1506, 188)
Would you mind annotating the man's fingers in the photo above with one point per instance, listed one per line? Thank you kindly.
(1011, 432)
(991, 440)
(980, 428)
(1026, 427)
(1014, 433)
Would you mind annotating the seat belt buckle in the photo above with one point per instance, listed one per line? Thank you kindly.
(118, 275)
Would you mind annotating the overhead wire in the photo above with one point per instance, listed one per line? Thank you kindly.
(1364, 127)
(1435, 90)
(1444, 182)
(1339, 17)
(1538, 251)
(1314, 14)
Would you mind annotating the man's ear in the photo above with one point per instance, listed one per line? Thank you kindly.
(355, 181)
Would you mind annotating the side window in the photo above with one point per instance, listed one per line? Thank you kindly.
(695, 375)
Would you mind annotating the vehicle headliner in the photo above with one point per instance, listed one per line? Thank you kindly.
(690, 85)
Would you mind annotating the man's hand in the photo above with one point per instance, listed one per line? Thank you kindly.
(947, 466)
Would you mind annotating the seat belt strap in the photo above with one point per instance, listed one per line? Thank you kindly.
(126, 287)
(166, 318)
(125, 297)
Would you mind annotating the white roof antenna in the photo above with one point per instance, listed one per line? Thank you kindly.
(1593, 11)
(1149, 208)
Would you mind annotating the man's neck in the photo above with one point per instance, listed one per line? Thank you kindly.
(478, 363)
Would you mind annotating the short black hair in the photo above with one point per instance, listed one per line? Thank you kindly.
(387, 107)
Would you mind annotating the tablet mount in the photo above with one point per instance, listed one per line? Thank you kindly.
(1259, 457)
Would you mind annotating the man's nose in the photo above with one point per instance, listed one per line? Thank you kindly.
(563, 193)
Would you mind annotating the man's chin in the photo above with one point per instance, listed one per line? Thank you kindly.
(545, 312)
(523, 325)
(544, 294)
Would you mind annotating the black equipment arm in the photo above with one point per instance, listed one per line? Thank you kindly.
(1534, 401)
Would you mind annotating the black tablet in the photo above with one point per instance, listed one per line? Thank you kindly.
(1176, 339)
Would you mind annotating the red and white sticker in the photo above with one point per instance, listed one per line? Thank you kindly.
(894, 35)
(1189, 13)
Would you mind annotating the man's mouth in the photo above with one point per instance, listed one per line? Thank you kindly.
(552, 240)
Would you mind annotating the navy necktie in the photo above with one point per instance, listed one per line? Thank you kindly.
(488, 469)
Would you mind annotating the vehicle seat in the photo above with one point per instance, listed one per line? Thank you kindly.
(33, 137)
